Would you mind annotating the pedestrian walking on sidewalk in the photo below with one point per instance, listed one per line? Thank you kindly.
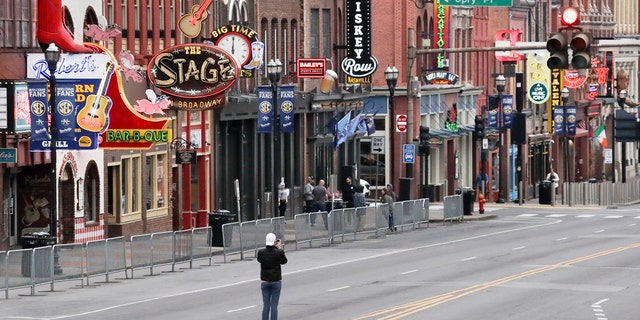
(271, 257)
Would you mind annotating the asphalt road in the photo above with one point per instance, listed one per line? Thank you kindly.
(529, 263)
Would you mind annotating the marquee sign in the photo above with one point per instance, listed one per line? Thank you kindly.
(359, 64)
(193, 71)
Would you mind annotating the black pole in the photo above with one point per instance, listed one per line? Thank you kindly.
(53, 130)
(623, 149)
(391, 140)
(503, 151)
(277, 145)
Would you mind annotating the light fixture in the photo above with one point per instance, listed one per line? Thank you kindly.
(500, 83)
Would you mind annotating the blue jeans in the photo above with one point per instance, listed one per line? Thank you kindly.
(270, 299)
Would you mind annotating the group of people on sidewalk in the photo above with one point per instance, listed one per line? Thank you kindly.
(316, 198)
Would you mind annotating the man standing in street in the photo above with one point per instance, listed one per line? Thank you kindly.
(320, 201)
(308, 198)
(271, 257)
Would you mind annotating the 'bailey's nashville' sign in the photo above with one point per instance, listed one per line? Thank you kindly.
(193, 72)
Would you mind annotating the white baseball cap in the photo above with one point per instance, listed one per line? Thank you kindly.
(271, 239)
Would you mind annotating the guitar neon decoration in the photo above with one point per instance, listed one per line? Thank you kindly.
(191, 23)
(93, 116)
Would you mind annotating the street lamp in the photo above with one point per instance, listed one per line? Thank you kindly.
(500, 84)
(622, 97)
(391, 74)
(52, 55)
(274, 70)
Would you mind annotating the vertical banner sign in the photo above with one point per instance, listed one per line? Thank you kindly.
(265, 109)
(556, 95)
(571, 120)
(558, 121)
(441, 13)
(65, 109)
(359, 64)
(286, 108)
(492, 116)
(38, 101)
(507, 110)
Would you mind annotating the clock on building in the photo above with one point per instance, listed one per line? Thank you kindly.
(237, 45)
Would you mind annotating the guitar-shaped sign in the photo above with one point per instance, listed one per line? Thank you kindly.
(93, 116)
(191, 23)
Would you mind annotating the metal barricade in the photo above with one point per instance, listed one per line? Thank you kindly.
(453, 208)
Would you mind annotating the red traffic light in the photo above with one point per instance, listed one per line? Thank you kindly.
(570, 17)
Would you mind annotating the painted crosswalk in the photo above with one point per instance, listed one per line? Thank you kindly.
(582, 216)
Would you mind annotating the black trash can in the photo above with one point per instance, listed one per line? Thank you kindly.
(216, 220)
(468, 197)
(42, 261)
(545, 191)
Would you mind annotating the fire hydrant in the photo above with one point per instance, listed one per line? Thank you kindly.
(481, 201)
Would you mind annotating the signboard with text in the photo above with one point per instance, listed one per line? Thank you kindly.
(478, 3)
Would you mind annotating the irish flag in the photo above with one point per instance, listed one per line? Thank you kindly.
(601, 135)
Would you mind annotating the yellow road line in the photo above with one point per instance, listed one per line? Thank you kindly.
(405, 310)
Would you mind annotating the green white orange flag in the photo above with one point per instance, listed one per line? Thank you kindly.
(601, 135)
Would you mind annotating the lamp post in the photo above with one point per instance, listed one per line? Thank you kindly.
(504, 174)
(565, 148)
(622, 97)
(52, 55)
(274, 70)
(391, 74)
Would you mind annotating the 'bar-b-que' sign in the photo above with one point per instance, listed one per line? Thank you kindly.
(359, 64)
(197, 73)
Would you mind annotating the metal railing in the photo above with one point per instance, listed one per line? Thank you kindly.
(453, 208)
(600, 194)
(322, 228)
(29, 268)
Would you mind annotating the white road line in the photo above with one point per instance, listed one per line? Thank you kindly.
(518, 248)
(556, 215)
(245, 308)
(599, 231)
(410, 271)
(631, 225)
(585, 216)
(336, 289)
(468, 259)
(562, 239)
(528, 215)
(638, 217)
(613, 217)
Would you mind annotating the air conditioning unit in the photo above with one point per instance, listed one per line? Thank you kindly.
(426, 43)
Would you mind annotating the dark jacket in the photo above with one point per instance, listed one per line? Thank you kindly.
(270, 259)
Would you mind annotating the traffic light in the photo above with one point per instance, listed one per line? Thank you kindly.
(569, 36)
(478, 131)
(580, 43)
(558, 49)
(424, 134)
(423, 148)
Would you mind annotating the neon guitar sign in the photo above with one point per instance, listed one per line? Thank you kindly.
(191, 23)
(94, 116)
